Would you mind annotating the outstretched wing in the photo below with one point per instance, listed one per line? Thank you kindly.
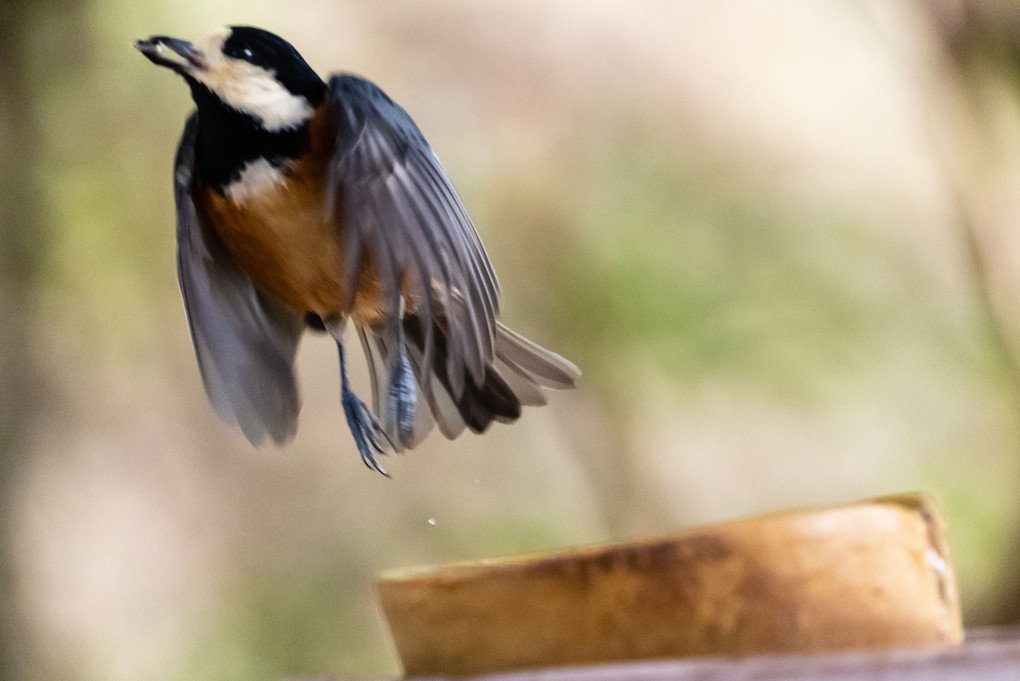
(401, 214)
(245, 342)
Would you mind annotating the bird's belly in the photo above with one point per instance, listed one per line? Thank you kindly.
(278, 233)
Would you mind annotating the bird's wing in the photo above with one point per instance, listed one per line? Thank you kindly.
(401, 214)
(245, 342)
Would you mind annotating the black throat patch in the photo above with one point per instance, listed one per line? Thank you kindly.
(229, 139)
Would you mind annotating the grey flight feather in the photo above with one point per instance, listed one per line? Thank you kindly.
(245, 341)
(399, 206)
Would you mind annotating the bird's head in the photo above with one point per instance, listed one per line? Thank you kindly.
(247, 69)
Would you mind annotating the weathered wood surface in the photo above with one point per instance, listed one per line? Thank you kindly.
(986, 655)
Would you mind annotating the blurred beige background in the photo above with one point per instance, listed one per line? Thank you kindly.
(782, 240)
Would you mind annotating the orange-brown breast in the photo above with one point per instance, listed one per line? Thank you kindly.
(274, 222)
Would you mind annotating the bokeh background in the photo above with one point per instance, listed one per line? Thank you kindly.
(781, 239)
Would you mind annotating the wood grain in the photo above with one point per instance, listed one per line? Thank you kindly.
(874, 574)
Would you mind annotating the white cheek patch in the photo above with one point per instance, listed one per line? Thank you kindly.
(257, 177)
(249, 88)
(253, 90)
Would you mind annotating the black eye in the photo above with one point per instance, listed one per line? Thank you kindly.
(239, 50)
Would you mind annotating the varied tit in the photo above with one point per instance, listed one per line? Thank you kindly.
(302, 203)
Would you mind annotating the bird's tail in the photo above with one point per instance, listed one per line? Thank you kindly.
(515, 377)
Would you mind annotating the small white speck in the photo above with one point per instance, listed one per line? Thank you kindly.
(431, 521)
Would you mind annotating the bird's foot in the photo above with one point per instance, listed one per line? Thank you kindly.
(403, 398)
(368, 433)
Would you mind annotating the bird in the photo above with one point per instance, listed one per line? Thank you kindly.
(305, 204)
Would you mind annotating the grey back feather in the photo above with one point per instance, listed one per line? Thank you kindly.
(399, 206)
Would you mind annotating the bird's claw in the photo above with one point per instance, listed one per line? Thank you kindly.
(368, 434)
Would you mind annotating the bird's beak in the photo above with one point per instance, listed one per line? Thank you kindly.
(160, 50)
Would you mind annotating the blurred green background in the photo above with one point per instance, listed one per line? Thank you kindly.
(782, 240)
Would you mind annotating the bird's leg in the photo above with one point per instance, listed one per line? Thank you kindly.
(364, 425)
(402, 392)
(368, 434)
